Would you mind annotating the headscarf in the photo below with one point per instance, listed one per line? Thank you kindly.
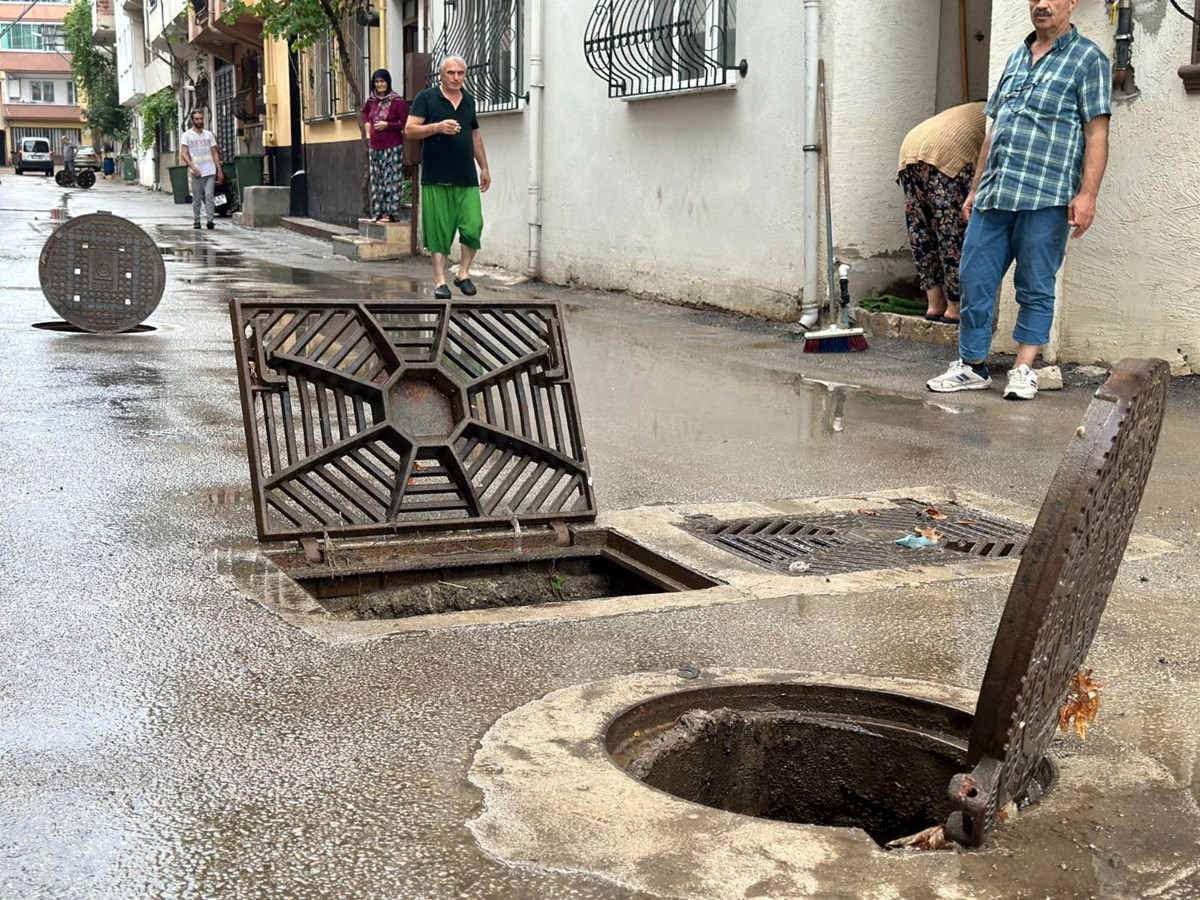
(386, 76)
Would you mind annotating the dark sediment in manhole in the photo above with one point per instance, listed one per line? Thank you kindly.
(404, 594)
(838, 758)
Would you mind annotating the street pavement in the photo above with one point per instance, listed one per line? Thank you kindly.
(162, 734)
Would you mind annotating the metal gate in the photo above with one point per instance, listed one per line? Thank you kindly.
(224, 126)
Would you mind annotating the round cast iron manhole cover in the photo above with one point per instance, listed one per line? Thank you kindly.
(1059, 592)
(102, 273)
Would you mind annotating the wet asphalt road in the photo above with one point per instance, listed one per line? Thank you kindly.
(163, 735)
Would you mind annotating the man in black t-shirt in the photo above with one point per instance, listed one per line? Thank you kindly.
(444, 118)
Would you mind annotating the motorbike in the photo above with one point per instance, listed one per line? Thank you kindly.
(83, 178)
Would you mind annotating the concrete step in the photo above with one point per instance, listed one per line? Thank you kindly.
(365, 249)
(391, 232)
(908, 328)
(312, 227)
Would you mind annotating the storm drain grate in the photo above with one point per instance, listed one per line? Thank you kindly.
(864, 540)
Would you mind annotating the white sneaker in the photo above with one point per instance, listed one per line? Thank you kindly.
(959, 377)
(1022, 384)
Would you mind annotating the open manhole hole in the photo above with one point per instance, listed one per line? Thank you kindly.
(428, 457)
(902, 533)
(810, 754)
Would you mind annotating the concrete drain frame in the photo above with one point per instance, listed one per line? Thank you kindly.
(279, 576)
(891, 765)
(557, 799)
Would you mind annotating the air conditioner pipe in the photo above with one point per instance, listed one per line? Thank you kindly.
(1122, 75)
(810, 309)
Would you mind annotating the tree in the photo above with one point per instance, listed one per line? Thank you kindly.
(95, 76)
(304, 22)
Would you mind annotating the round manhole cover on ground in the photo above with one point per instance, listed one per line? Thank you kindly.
(102, 273)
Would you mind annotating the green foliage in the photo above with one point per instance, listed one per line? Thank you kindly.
(159, 108)
(300, 22)
(303, 23)
(95, 75)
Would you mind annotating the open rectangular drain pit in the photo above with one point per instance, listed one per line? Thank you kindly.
(864, 540)
(423, 577)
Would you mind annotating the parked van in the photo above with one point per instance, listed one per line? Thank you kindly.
(34, 156)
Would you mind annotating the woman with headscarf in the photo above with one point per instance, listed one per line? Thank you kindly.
(384, 114)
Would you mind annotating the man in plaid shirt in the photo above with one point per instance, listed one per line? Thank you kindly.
(1036, 183)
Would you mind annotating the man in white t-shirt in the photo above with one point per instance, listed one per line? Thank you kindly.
(200, 154)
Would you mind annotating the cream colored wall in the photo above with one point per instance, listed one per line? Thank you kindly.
(882, 73)
(699, 198)
(1131, 285)
(693, 198)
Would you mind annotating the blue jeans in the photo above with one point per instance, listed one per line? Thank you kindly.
(1037, 240)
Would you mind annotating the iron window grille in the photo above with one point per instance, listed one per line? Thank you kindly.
(325, 91)
(317, 81)
(489, 35)
(647, 47)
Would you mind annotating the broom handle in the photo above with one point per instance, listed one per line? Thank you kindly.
(828, 211)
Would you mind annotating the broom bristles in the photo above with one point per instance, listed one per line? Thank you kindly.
(835, 340)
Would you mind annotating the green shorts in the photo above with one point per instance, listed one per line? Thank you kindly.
(447, 208)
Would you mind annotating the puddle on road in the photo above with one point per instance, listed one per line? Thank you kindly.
(225, 267)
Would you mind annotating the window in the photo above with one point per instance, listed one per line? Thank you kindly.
(326, 92)
(358, 39)
(317, 84)
(41, 91)
(71, 99)
(488, 35)
(32, 36)
(643, 47)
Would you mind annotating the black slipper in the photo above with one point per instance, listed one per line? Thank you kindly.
(466, 286)
(946, 321)
(442, 292)
(931, 317)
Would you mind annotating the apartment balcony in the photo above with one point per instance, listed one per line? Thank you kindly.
(104, 23)
(133, 7)
(208, 30)
(167, 27)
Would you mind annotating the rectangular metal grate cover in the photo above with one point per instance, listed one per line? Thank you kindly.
(379, 417)
(862, 541)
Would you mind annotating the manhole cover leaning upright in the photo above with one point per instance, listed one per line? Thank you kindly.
(102, 273)
(1059, 593)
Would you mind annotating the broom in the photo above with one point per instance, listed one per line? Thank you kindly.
(836, 338)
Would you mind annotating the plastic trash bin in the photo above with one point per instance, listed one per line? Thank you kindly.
(108, 166)
(129, 168)
(179, 183)
(249, 173)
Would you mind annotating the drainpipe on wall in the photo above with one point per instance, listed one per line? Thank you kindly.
(810, 310)
(1122, 74)
(533, 109)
